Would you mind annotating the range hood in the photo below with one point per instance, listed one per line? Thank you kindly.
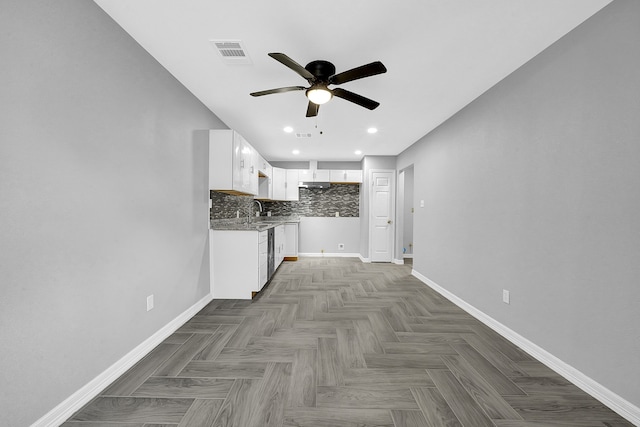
(314, 181)
(313, 184)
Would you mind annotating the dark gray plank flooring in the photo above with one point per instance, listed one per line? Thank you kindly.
(333, 342)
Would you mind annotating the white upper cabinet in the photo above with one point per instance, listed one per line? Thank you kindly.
(232, 163)
(346, 176)
(265, 178)
(314, 175)
(278, 184)
(263, 166)
(305, 175)
(291, 187)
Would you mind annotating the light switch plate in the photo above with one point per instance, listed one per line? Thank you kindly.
(505, 296)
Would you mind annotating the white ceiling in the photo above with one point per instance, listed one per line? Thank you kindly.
(440, 55)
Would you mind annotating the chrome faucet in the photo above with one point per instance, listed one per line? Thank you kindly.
(259, 205)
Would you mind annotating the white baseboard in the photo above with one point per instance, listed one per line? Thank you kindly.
(610, 399)
(329, 255)
(364, 260)
(77, 400)
(398, 261)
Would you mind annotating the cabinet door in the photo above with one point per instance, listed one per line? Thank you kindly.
(322, 175)
(291, 192)
(353, 176)
(338, 176)
(279, 245)
(278, 181)
(305, 175)
(244, 155)
(262, 165)
(252, 174)
(237, 171)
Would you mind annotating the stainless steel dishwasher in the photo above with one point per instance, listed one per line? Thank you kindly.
(271, 245)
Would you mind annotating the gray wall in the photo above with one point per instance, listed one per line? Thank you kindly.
(103, 185)
(317, 234)
(534, 188)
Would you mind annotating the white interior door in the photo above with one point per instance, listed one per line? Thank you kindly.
(382, 216)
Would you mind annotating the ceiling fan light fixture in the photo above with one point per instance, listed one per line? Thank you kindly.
(319, 95)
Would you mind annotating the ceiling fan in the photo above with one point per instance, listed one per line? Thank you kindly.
(320, 74)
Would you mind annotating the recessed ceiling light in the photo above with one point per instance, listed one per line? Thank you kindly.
(296, 151)
(372, 130)
(288, 129)
(358, 152)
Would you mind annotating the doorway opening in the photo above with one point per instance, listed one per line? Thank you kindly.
(405, 212)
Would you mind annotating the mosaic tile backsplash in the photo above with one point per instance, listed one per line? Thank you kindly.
(342, 198)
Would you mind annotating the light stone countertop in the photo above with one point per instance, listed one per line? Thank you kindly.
(260, 223)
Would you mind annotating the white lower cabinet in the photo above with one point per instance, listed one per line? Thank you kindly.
(279, 236)
(238, 263)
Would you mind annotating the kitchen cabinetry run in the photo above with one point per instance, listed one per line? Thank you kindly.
(232, 163)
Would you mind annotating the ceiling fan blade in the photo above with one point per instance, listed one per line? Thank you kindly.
(278, 90)
(312, 109)
(285, 60)
(358, 73)
(355, 98)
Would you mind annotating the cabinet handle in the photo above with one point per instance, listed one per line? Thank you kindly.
(251, 170)
(242, 163)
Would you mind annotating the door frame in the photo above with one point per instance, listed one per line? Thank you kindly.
(392, 173)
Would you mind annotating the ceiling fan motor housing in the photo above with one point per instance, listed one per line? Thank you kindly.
(321, 69)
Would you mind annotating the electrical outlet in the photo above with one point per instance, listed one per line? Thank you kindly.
(422, 203)
(149, 302)
(505, 296)
(341, 246)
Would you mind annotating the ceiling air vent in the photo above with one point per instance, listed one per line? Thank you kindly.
(232, 51)
(303, 135)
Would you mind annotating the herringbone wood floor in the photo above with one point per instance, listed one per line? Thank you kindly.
(333, 342)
